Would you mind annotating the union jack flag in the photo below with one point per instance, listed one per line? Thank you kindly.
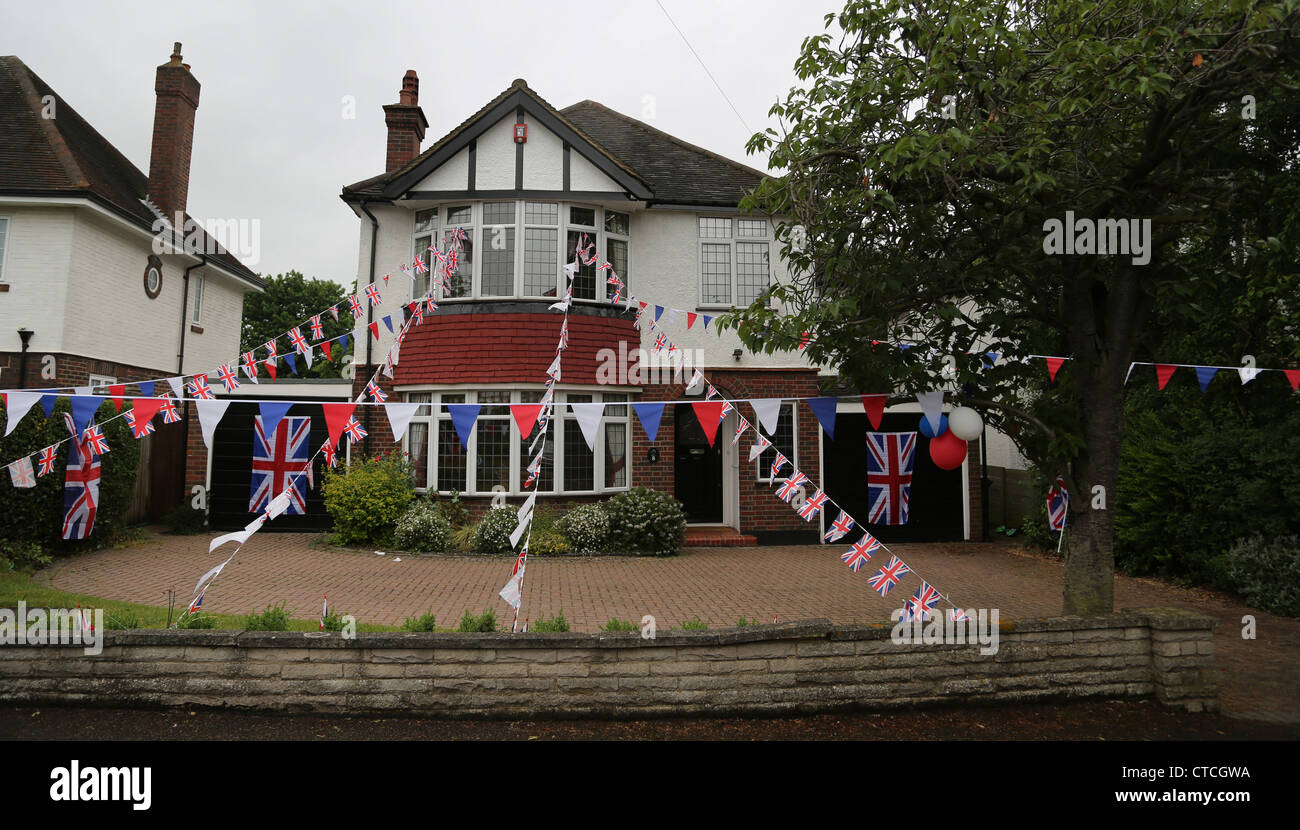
(299, 342)
(839, 527)
(139, 432)
(199, 388)
(858, 555)
(889, 476)
(354, 430)
(375, 392)
(20, 472)
(618, 289)
(317, 330)
(331, 455)
(354, 305)
(726, 408)
(1058, 504)
(889, 575)
(334, 312)
(760, 446)
(168, 410)
(741, 426)
(958, 615)
(228, 377)
(791, 486)
(660, 342)
(270, 348)
(250, 365)
(431, 306)
(372, 294)
(809, 510)
(197, 604)
(96, 440)
(564, 334)
(279, 461)
(46, 461)
(420, 267)
(777, 464)
(80, 486)
(922, 603)
(709, 395)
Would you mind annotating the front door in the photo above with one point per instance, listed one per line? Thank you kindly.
(698, 469)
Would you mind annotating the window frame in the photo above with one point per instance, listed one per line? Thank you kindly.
(731, 242)
(433, 234)
(196, 297)
(6, 224)
(763, 469)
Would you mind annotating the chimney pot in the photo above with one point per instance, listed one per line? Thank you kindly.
(406, 124)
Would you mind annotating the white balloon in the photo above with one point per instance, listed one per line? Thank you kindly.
(965, 423)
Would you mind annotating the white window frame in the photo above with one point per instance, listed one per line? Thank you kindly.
(417, 250)
(5, 225)
(730, 242)
(96, 381)
(196, 297)
(518, 446)
(763, 470)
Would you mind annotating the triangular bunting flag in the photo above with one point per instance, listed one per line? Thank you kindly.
(824, 409)
(272, 412)
(83, 406)
(874, 406)
(47, 403)
(659, 310)
(293, 363)
(144, 409)
(707, 320)
(270, 367)
(146, 388)
(210, 413)
(399, 417)
(768, 411)
(649, 414)
(374, 329)
(388, 321)
(741, 426)
(1293, 375)
(178, 387)
(690, 318)
(326, 348)
(1247, 374)
(1053, 366)
(710, 415)
(1164, 371)
(463, 416)
(1205, 374)
(17, 405)
(932, 405)
(588, 416)
(760, 446)
(116, 392)
(337, 416)
(525, 417)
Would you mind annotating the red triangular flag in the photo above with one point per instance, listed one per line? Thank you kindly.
(525, 416)
(117, 391)
(690, 318)
(145, 409)
(1054, 366)
(336, 417)
(326, 347)
(710, 415)
(1293, 375)
(1163, 372)
(875, 407)
(374, 329)
(270, 368)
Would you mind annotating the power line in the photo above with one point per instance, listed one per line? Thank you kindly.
(706, 68)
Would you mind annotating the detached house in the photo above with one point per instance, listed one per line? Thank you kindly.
(526, 182)
(88, 295)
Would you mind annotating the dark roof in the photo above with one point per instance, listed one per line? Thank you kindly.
(672, 170)
(65, 156)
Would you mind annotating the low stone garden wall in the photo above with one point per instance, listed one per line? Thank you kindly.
(797, 667)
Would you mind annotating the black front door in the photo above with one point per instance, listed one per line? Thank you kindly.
(698, 469)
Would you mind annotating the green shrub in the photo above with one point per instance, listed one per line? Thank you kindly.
(22, 555)
(556, 623)
(197, 621)
(493, 533)
(483, 623)
(744, 622)
(547, 543)
(694, 624)
(586, 528)
(184, 520)
(423, 527)
(615, 624)
(35, 514)
(1266, 572)
(125, 622)
(274, 618)
(462, 538)
(333, 621)
(424, 622)
(456, 514)
(646, 521)
(365, 497)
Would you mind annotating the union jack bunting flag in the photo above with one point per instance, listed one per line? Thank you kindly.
(372, 294)
(270, 348)
(375, 392)
(334, 312)
(760, 446)
(860, 553)
(777, 464)
(20, 472)
(922, 603)
(199, 388)
(431, 306)
(889, 476)
(317, 329)
(80, 486)
(138, 430)
(250, 366)
(660, 342)
(958, 615)
(228, 377)
(889, 575)
(197, 604)
(331, 456)
(168, 410)
(299, 342)
(354, 430)
(726, 408)
(839, 527)
(564, 334)
(95, 438)
(420, 267)
(354, 305)
(711, 394)
(809, 509)
(741, 426)
(1058, 504)
(279, 460)
(791, 486)
(45, 464)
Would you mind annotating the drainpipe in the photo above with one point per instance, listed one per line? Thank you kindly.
(180, 361)
(985, 483)
(370, 309)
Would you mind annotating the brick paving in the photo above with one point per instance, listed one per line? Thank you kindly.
(1259, 679)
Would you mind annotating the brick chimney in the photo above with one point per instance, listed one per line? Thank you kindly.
(173, 134)
(406, 124)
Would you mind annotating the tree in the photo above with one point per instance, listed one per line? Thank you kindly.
(290, 300)
(938, 145)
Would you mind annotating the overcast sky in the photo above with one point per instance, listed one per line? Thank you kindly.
(271, 141)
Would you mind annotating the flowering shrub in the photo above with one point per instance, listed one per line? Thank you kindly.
(585, 528)
(366, 498)
(423, 527)
(493, 533)
(645, 521)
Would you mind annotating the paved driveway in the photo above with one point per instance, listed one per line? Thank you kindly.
(1259, 678)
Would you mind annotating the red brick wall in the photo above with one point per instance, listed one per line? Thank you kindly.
(71, 370)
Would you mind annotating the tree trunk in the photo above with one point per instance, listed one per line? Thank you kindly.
(1090, 555)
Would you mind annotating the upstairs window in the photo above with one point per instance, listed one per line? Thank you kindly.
(734, 260)
(4, 236)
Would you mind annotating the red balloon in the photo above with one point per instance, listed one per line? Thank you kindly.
(948, 451)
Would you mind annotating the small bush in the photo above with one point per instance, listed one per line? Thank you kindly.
(125, 622)
(547, 543)
(483, 623)
(184, 520)
(365, 496)
(423, 527)
(451, 508)
(333, 621)
(694, 624)
(493, 533)
(646, 521)
(197, 621)
(424, 622)
(615, 624)
(274, 618)
(556, 623)
(1267, 573)
(585, 528)
(19, 555)
(743, 622)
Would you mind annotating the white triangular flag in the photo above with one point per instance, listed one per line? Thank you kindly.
(511, 593)
(210, 413)
(240, 536)
(759, 446)
(527, 506)
(307, 354)
(178, 387)
(768, 411)
(19, 403)
(209, 576)
(696, 380)
(399, 417)
(932, 406)
(1247, 373)
(588, 416)
(519, 531)
(278, 505)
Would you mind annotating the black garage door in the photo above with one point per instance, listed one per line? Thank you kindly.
(232, 470)
(935, 511)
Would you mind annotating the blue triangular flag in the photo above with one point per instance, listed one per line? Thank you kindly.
(824, 409)
(902, 347)
(146, 388)
(272, 412)
(47, 403)
(1205, 374)
(649, 414)
(990, 358)
(83, 406)
(463, 416)
(658, 311)
(293, 363)
(343, 342)
(388, 321)
(707, 320)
